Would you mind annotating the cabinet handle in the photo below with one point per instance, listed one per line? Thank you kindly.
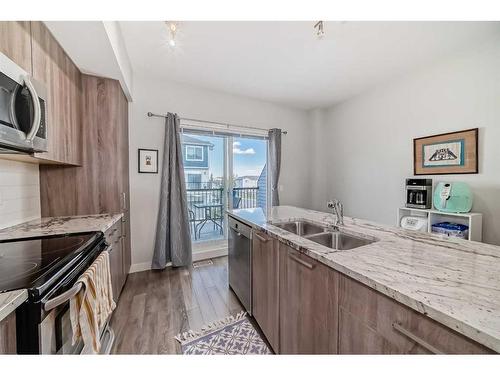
(260, 238)
(398, 327)
(124, 201)
(300, 261)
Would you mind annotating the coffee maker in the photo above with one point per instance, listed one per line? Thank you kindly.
(419, 193)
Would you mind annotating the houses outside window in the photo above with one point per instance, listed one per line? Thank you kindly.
(194, 180)
(194, 153)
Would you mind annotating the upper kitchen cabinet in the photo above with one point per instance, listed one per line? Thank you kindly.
(15, 42)
(63, 81)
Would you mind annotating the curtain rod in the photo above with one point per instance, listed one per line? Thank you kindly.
(151, 114)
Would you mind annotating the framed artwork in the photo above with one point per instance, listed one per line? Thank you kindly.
(148, 160)
(449, 153)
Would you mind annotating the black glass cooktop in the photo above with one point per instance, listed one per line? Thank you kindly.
(33, 262)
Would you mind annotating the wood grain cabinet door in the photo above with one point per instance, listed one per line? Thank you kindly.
(15, 42)
(308, 305)
(8, 343)
(372, 323)
(265, 285)
(62, 79)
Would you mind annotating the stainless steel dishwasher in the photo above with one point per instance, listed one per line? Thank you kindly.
(240, 262)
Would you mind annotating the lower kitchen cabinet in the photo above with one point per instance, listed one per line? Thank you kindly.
(372, 323)
(265, 286)
(8, 334)
(114, 238)
(305, 307)
(308, 304)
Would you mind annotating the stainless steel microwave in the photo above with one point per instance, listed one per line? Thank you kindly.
(23, 110)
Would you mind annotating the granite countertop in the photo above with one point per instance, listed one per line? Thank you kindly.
(9, 301)
(455, 282)
(47, 226)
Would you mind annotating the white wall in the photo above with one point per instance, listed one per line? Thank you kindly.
(367, 140)
(162, 96)
(19, 192)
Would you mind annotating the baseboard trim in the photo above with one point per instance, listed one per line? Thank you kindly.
(139, 267)
(198, 255)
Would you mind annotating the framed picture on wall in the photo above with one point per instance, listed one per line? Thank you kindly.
(148, 160)
(448, 153)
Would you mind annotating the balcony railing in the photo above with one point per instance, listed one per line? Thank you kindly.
(245, 197)
(200, 194)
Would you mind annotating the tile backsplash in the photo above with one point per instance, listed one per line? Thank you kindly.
(19, 192)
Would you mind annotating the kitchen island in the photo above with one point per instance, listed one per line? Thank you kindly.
(454, 282)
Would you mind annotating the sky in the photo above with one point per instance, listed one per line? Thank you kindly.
(249, 155)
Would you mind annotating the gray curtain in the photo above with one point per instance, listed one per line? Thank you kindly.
(275, 163)
(173, 242)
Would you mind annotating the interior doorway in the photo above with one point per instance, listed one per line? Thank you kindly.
(221, 172)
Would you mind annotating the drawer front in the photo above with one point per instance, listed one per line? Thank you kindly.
(357, 337)
(402, 327)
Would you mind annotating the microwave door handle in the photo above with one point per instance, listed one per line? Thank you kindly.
(36, 105)
(13, 117)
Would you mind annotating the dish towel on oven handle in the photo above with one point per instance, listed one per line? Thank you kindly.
(93, 305)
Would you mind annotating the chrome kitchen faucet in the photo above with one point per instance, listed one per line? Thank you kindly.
(338, 210)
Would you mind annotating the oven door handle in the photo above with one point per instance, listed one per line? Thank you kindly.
(70, 293)
(63, 297)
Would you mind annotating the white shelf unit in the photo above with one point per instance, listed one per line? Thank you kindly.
(473, 220)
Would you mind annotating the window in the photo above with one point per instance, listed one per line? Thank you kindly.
(193, 181)
(194, 153)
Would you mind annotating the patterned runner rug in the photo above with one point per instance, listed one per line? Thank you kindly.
(232, 335)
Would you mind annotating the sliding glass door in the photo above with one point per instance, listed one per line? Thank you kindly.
(221, 172)
(249, 173)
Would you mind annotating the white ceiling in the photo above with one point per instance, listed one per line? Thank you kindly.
(284, 62)
(94, 46)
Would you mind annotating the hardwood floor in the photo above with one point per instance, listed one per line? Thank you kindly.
(156, 305)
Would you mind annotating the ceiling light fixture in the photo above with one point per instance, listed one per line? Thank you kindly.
(172, 27)
(320, 32)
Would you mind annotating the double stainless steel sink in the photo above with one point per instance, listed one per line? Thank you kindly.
(326, 236)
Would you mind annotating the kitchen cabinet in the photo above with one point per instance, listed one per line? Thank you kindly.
(32, 46)
(308, 304)
(15, 42)
(101, 183)
(372, 323)
(8, 334)
(265, 286)
(53, 67)
(114, 237)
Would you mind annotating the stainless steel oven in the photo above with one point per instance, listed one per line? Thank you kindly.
(49, 268)
(23, 110)
(55, 329)
(56, 334)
